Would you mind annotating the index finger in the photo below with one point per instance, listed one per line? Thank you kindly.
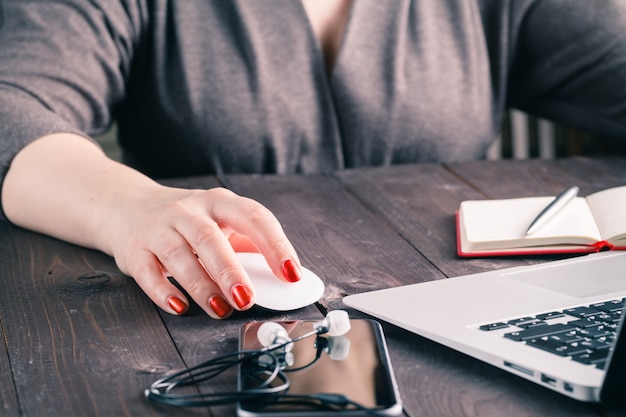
(250, 218)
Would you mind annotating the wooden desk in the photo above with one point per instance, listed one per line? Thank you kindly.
(82, 340)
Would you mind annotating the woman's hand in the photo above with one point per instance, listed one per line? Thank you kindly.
(64, 186)
(193, 235)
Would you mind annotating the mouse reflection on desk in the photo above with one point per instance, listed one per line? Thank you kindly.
(273, 294)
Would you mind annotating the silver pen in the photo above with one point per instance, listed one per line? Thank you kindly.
(551, 209)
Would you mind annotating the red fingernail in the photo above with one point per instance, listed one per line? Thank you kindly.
(242, 295)
(291, 271)
(177, 304)
(219, 306)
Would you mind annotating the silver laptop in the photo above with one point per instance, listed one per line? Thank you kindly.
(557, 324)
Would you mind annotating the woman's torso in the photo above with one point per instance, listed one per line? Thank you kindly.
(244, 86)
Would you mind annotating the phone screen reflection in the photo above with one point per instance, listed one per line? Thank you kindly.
(354, 366)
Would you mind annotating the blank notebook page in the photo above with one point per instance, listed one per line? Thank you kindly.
(503, 220)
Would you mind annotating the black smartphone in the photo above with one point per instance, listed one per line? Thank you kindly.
(322, 370)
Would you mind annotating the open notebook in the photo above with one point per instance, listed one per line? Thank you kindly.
(558, 324)
(586, 224)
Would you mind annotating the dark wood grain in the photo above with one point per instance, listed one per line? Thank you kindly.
(595, 174)
(336, 236)
(81, 337)
(8, 397)
(509, 179)
(419, 201)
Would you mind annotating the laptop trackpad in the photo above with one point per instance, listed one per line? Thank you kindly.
(580, 278)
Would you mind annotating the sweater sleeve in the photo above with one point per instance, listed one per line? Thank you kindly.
(63, 65)
(569, 64)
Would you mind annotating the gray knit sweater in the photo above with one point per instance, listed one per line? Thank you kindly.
(239, 86)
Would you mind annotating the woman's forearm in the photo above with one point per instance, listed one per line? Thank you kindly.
(64, 186)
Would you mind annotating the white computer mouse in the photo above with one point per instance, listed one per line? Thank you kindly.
(274, 294)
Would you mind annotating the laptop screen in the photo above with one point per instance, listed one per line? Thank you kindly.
(612, 393)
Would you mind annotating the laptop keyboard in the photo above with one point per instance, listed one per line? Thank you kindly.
(585, 334)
